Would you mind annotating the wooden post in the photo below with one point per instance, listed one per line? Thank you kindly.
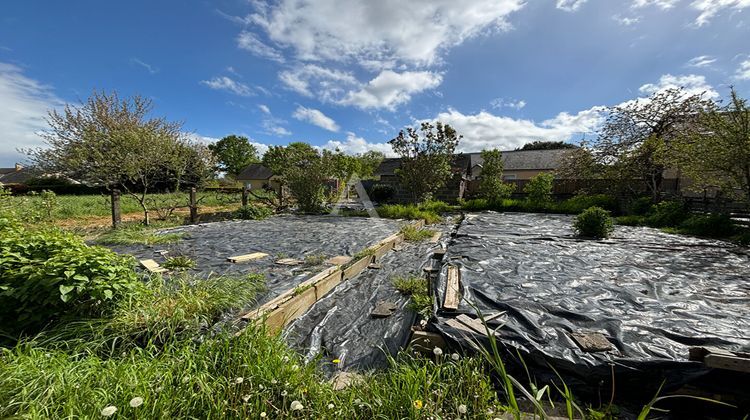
(116, 216)
(244, 196)
(193, 206)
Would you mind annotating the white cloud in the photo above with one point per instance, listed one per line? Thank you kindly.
(151, 69)
(272, 125)
(485, 130)
(743, 72)
(693, 84)
(701, 61)
(315, 117)
(228, 84)
(710, 8)
(250, 42)
(356, 145)
(24, 103)
(570, 5)
(384, 31)
(625, 20)
(662, 4)
(499, 103)
(390, 89)
(326, 83)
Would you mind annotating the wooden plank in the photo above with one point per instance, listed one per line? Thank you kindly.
(247, 257)
(358, 267)
(452, 289)
(339, 260)
(436, 237)
(720, 361)
(283, 315)
(153, 266)
(289, 261)
(328, 283)
(591, 342)
(474, 324)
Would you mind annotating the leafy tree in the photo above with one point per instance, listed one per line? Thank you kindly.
(547, 145)
(631, 147)
(491, 185)
(425, 158)
(234, 153)
(303, 170)
(369, 162)
(112, 142)
(539, 188)
(716, 152)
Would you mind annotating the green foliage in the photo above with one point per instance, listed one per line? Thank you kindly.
(412, 234)
(382, 192)
(594, 222)
(416, 288)
(580, 203)
(436, 206)
(234, 153)
(639, 206)
(539, 189)
(491, 185)
(315, 259)
(136, 235)
(179, 262)
(426, 157)
(304, 171)
(547, 145)
(253, 212)
(408, 212)
(667, 214)
(48, 273)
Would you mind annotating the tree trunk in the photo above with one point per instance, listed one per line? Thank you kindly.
(146, 219)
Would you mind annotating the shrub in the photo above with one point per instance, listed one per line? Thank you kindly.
(253, 212)
(711, 225)
(47, 273)
(539, 188)
(667, 214)
(594, 222)
(631, 220)
(580, 203)
(382, 192)
(639, 206)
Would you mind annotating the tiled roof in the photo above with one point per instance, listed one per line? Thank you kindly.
(254, 171)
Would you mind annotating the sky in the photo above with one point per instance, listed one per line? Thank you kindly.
(350, 74)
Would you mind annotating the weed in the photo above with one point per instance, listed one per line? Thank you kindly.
(412, 234)
(179, 262)
(315, 259)
(302, 289)
(408, 212)
(416, 288)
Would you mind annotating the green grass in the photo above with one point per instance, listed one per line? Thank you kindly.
(416, 288)
(82, 206)
(136, 235)
(409, 212)
(315, 259)
(412, 234)
(179, 262)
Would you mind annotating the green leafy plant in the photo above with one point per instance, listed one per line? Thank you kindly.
(539, 189)
(594, 222)
(179, 262)
(416, 288)
(667, 214)
(253, 212)
(48, 273)
(408, 212)
(315, 259)
(382, 192)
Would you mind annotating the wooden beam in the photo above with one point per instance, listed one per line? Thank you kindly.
(289, 261)
(339, 260)
(718, 358)
(153, 266)
(247, 257)
(452, 289)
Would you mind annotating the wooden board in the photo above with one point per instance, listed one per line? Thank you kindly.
(452, 289)
(247, 257)
(436, 237)
(358, 266)
(718, 358)
(289, 261)
(339, 260)
(153, 266)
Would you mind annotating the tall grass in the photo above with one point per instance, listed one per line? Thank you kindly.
(409, 212)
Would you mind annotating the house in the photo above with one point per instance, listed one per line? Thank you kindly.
(519, 165)
(258, 177)
(17, 175)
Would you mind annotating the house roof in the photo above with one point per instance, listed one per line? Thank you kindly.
(254, 171)
(4, 171)
(19, 176)
(389, 165)
(518, 160)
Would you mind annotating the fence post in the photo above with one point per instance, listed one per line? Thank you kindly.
(116, 216)
(244, 196)
(193, 206)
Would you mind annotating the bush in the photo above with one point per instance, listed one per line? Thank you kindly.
(253, 212)
(539, 189)
(711, 225)
(667, 214)
(382, 192)
(639, 206)
(580, 203)
(594, 222)
(47, 273)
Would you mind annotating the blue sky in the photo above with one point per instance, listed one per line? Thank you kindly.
(349, 74)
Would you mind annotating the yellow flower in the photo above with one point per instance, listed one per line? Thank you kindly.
(336, 361)
(418, 404)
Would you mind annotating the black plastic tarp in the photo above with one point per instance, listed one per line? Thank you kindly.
(652, 295)
(340, 325)
(285, 236)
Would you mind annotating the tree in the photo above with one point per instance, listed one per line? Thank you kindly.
(491, 185)
(369, 162)
(539, 188)
(547, 145)
(716, 151)
(234, 153)
(425, 158)
(303, 170)
(112, 142)
(630, 149)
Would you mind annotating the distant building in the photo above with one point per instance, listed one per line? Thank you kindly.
(522, 164)
(17, 175)
(258, 177)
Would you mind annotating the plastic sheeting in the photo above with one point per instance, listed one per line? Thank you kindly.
(653, 295)
(286, 236)
(339, 326)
